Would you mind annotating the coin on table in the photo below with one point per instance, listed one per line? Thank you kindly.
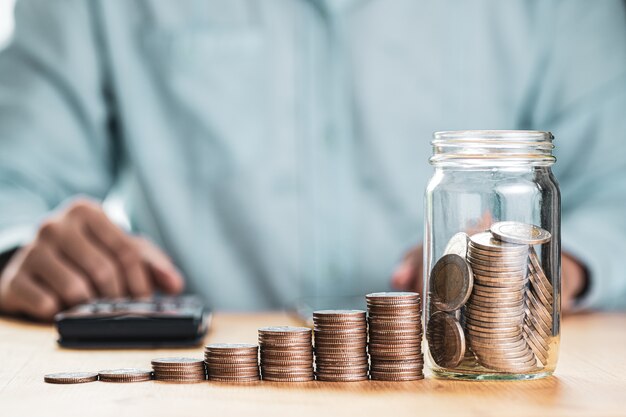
(71, 377)
(446, 340)
(125, 375)
(520, 233)
(457, 245)
(451, 282)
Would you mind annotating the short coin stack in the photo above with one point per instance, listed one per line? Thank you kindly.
(395, 336)
(125, 375)
(340, 345)
(232, 362)
(180, 370)
(286, 354)
(495, 311)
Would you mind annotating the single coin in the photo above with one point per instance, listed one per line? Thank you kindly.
(451, 282)
(457, 245)
(446, 340)
(520, 233)
(71, 377)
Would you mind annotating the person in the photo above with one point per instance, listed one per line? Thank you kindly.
(276, 150)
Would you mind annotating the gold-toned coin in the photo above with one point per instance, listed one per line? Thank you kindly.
(446, 340)
(451, 282)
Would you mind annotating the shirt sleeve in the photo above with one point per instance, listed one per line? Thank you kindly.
(582, 99)
(54, 121)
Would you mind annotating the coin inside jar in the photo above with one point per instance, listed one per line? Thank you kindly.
(446, 340)
(520, 233)
(457, 245)
(451, 282)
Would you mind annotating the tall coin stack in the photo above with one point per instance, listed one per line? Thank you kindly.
(395, 336)
(539, 306)
(340, 345)
(495, 311)
(179, 370)
(232, 362)
(286, 354)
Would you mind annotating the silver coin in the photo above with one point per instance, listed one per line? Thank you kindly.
(520, 233)
(457, 245)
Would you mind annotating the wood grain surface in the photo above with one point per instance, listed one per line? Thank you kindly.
(590, 381)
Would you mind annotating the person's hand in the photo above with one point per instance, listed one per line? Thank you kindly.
(408, 276)
(79, 254)
(573, 281)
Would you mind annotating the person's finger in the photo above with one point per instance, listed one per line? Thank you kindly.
(124, 251)
(70, 286)
(416, 278)
(96, 263)
(166, 276)
(402, 275)
(33, 299)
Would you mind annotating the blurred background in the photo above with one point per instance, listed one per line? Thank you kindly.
(6, 20)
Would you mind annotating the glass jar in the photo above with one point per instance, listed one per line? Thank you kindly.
(492, 256)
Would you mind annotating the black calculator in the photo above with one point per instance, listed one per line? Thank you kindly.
(155, 322)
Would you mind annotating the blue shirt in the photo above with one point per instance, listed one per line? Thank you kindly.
(279, 149)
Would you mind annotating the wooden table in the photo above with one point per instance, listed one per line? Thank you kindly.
(590, 380)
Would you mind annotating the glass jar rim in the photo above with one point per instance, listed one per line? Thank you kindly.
(492, 147)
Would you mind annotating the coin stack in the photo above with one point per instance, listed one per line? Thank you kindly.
(495, 311)
(340, 345)
(395, 336)
(179, 370)
(125, 375)
(539, 305)
(232, 362)
(286, 354)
